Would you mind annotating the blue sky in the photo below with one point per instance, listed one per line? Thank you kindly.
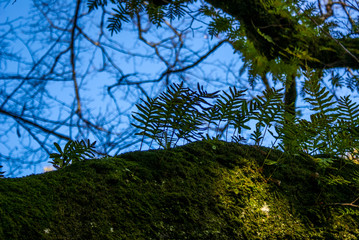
(216, 68)
(93, 89)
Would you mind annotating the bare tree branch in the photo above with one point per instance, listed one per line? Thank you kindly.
(72, 59)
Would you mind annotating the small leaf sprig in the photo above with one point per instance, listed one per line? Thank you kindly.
(74, 151)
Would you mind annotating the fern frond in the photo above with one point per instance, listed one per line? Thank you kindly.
(345, 141)
(73, 151)
(295, 135)
(242, 116)
(94, 4)
(182, 111)
(176, 114)
(256, 136)
(228, 106)
(349, 111)
(115, 22)
(175, 10)
(171, 103)
(325, 118)
(352, 82)
(148, 117)
(211, 116)
(320, 99)
(157, 10)
(268, 107)
(238, 139)
(188, 127)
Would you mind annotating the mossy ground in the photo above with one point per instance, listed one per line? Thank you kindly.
(203, 190)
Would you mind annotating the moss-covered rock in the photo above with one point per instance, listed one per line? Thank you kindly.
(203, 190)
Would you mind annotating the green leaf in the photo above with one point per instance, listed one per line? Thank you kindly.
(58, 148)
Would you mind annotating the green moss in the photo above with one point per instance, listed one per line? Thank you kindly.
(203, 190)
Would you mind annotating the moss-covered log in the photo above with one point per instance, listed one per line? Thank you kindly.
(203, 190)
